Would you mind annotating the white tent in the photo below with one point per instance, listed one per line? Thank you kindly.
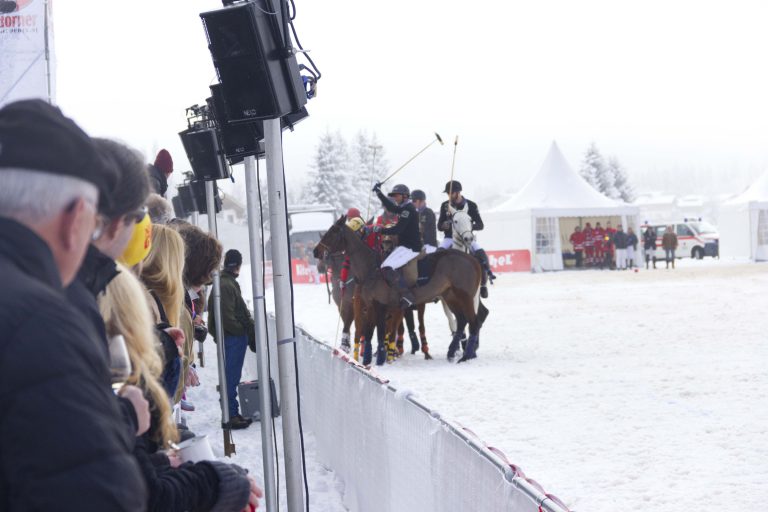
(743, 223)
(531, 219)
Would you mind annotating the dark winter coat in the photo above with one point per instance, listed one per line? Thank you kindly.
(649, 239)
(158, 182)
(407, 227)
(93, 277)
(63, 444)
(428, 226)
(445, 216)
(632, 240)
(236, 318)
(669, 242)
(620, 240)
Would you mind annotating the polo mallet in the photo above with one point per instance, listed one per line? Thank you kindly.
(453, 166)
(437, 139)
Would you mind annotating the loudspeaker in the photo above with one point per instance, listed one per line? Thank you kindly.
(204, 154)
(259, 79)
(186, 198)
(178, 208)
(198, 192)
(238, 140)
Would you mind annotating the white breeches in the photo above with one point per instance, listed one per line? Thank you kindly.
(447, 243)
(399, 257)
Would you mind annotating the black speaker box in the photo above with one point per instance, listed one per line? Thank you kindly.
(259, 79)
(187, 199)
(238, 140)
(204, 154)
(198, 192)
(178, 208)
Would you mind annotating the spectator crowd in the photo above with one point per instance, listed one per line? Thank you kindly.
(89, 275)
(609, 248)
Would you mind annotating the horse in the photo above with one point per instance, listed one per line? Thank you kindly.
(454, 276)
(343, 298)
(463, 238)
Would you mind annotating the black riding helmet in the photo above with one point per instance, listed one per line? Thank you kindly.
(400, 189)
(418, 195)
(455, 188)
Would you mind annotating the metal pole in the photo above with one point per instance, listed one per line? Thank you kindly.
(374, 147)
(229, 447)
(262, 360)
(48, 54)
(286, 336)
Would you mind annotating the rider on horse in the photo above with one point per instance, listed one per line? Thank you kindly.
(407, 231)
(458, 202)
(427, 222)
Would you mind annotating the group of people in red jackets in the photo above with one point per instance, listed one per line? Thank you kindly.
(596, 247)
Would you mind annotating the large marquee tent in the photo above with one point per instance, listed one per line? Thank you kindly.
(743, 223)
(542, 215)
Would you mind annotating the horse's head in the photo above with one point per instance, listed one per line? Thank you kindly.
(462, 228)
(332, 241)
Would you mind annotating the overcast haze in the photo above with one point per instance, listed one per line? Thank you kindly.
(667, 87)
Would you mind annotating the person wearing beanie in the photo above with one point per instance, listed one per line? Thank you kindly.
(238, 327)
(160, 171)
(52, 177)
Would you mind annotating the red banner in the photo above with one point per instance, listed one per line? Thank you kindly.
(510, 261)
(303, 272)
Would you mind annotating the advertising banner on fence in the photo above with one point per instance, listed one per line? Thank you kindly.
(26, 69)
(510, 261)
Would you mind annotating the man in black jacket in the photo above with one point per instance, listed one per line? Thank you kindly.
(407, 231)
(459, 202)
(427, 221)
(160, 171)
(63, 443)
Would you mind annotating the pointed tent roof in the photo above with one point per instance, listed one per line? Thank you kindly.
(756, 193)
(558, 190)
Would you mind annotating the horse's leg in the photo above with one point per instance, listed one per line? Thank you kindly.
(357, 315)
(400, 335)
(381, 329)
(423, 331)
(449, 316)
(473, 342)
(347, 315)
(457, 335)
(412, 329)
(394, 345)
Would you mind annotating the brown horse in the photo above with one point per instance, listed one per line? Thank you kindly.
(454, 276)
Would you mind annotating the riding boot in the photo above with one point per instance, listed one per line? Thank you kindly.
(414, 342)
(488, 275)
(395, 279)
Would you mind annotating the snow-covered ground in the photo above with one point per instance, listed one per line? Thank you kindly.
(615, 390)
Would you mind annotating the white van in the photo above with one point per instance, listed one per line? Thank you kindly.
(695, 239)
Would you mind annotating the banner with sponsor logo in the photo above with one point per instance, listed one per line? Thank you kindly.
(26, 50)
(510, 261)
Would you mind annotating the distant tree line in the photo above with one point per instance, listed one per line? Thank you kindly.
(342, 173)
(607, 177)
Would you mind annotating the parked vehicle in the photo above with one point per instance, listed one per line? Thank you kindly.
(695, 239)
(306, 225)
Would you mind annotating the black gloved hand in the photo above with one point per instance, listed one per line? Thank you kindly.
(377, 187)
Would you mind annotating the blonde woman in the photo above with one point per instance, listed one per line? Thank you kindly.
(204, 486)
(162, 274)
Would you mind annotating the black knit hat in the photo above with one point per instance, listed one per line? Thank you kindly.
(36, 136)
(233, 259)
(418, 195)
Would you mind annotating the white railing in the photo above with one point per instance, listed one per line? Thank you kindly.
(395, 454)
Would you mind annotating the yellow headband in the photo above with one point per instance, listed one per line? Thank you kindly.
(139, 245)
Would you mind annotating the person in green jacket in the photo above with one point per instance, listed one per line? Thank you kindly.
(237, 323)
